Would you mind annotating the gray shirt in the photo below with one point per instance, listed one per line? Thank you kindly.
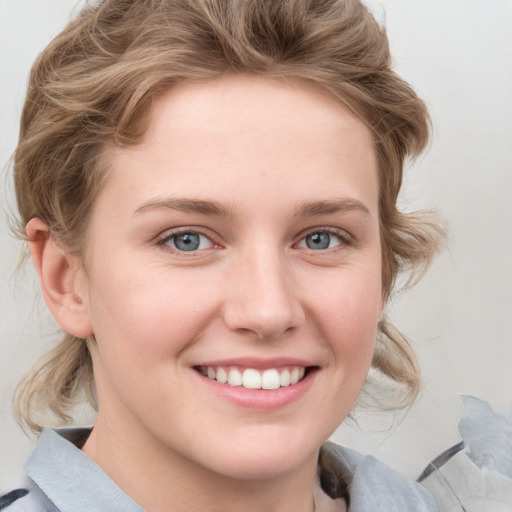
(61, 478)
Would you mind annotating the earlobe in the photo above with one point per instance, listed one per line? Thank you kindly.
(61, 279)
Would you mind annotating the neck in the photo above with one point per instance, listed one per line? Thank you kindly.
(160, 479)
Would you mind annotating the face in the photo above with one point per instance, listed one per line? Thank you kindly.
(234, 276)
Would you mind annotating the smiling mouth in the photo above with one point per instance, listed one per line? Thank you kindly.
(250, 378)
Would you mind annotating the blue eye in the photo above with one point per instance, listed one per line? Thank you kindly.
(321, 240)
(318, 241)
(188, 241)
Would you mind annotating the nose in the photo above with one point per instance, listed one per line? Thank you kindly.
(263, 298)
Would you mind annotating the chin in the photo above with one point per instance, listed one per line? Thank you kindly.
(261, 468)
(263, 460)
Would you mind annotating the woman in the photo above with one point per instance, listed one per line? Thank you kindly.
(209, 192)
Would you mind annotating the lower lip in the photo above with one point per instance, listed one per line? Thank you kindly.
(263, 399)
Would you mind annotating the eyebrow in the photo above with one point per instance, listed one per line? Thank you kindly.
(212, 208)
(309, 209)
(216, 209)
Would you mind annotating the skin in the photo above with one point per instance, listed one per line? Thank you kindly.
(279, 162)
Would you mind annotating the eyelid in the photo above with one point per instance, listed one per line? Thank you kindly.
(162, 239)
(346, 238)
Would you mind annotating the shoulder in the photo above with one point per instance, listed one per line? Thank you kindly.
(12, 496)
(475, 474)
(61, 477)
(27, 499)
(29, 495)
(369, 484)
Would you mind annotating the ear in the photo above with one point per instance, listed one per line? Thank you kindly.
(62, 280)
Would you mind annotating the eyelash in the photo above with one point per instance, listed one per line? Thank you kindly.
(168, 236)
(344, 238)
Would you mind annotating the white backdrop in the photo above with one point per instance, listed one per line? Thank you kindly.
(458, 55)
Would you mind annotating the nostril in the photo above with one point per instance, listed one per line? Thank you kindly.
(264, 305)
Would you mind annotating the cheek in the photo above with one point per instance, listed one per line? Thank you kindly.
(142, 326)
(145, 315)
(349, 310)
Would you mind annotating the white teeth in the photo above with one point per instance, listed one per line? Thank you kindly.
(222, 376)
(255, 379)
(251, 379)
(284, 378)
(234, 377)
(270, 379)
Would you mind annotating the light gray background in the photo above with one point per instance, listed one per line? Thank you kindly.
(458, 55)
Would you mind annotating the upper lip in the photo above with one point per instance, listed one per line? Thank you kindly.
(256, 362)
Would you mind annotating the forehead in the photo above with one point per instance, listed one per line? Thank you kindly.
(254, 105)
(244, 134)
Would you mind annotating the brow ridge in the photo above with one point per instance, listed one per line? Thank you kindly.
(325, 207)
(212, 208)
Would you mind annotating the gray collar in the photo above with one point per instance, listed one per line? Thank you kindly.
(74, 483)
(371, 484)
(57, 466)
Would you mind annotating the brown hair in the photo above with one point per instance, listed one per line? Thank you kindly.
(93, 83)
